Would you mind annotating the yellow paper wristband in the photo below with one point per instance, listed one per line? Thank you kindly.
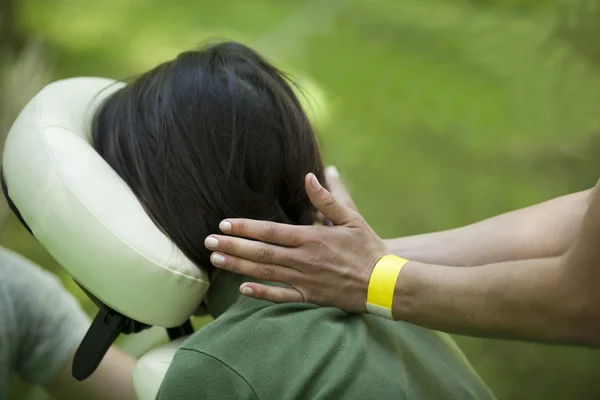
(380, 294)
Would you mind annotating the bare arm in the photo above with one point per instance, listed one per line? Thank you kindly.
(41, 325)
(543, 230)
(553, 299)
(525, 300)
(535, 284)
(112, 380)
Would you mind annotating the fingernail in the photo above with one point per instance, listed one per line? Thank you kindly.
(332, 171)
(315, 182)
(225, 226)
(247, 291)
(211, 243)
(217, 259)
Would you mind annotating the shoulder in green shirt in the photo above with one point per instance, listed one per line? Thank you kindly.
(260, 350)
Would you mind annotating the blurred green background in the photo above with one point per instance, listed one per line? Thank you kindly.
(437, 113)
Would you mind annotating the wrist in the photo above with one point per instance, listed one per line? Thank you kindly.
(382, 285)
(404, 303)
(362, 276)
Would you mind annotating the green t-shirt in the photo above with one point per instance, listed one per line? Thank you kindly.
(260, 350)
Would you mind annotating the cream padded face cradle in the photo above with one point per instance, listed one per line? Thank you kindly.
(83, 213)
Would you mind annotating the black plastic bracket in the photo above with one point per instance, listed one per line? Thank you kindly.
(183, 330)
(102, 333)
(104, 330)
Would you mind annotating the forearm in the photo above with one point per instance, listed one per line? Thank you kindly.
(46, 324)
(540, 231)
(112, 380)
(536, 299)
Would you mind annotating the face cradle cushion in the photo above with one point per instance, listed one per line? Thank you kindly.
(89, 220)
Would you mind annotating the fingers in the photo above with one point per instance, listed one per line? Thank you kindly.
(259, 252)
(271, 293)
(262, 271)
(324, 201)
(265, 231)
(338, 188)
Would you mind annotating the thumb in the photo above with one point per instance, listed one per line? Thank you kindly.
(324, 201)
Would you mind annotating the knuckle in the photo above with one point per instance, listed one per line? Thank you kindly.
(316, 243)
(314, 262)
(270, 231)
(228, 246)
(346, 272)
(329, 200)
(264, 254)
(238, 228)
(268, 272)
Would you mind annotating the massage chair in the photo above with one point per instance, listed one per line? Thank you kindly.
(90, 221)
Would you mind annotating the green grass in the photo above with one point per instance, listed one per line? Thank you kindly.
(437, 114)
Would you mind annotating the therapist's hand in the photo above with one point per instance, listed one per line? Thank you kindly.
(324, 265)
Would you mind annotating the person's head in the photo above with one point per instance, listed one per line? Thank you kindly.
(213, 134)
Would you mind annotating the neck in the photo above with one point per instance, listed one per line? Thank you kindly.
(224, 292)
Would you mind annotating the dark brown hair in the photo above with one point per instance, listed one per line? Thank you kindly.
(212, 134)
